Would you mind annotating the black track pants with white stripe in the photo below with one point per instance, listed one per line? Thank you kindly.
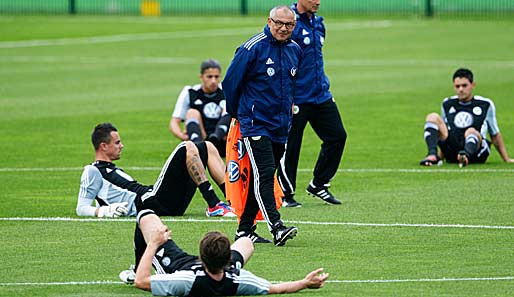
(264, 157)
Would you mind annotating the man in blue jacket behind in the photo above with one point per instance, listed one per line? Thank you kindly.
(314, 104)
(259, 87)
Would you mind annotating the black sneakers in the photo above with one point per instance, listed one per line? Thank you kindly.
(282, 233)
(289, 201)
(252, 235)
(322, 193)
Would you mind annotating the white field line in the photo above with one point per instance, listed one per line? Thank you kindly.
(96, 60)
(176, 60)
(501, 278)
(62, 283)
(347, 170)
(169, 35)
(210, 221)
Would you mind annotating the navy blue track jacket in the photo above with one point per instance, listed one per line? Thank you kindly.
(312, 83)
(259, 86)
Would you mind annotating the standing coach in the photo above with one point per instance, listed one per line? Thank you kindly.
(259, 87)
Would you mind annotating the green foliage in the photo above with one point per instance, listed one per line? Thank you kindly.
(386, 75)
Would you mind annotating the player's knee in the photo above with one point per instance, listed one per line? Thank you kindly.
(190, 147)
(433, 117)
(473, 131)
(193, 114)
(211, 149)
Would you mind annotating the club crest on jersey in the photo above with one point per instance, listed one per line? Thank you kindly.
(296, 109)
(293, 71)
(241, 150)
(166, 261)
(271, 71)
(307, 41)
(477, 110)
(233, 171)
(212, 110)
(463, 119)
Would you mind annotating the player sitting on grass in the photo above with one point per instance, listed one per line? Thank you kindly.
(118, 194)
(460, 130)
(218, 271)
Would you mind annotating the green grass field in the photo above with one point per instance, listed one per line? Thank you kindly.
(403, 230)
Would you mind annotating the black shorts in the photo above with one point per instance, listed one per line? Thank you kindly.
(174, 258)
(451, 151)
(174, 188)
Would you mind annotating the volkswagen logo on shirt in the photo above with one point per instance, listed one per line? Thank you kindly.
(233, 171)
(271, 71)
(212, 110)
(241, 150)
(463, 119)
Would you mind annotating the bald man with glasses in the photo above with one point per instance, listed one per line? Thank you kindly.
(259, 89)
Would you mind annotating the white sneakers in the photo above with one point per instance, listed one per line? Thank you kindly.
(128, 276)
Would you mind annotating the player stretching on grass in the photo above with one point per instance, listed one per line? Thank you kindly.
(461, 129)
(118, 194)
(218, 271)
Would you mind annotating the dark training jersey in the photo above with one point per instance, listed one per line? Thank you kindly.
(104, 182)
(479, 113)
(192, 280)
(210, 106)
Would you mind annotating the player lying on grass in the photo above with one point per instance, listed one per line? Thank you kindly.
(118, 194)
(218, 271)
(460, 130)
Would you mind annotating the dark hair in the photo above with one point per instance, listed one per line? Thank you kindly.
(215, 251)
(463, 72)
(209, 63)
(102, 133)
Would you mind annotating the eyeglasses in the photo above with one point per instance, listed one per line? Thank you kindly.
(289, 26)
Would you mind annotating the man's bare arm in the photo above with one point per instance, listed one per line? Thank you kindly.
(314, 280)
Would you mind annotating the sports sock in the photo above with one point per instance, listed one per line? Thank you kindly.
(193, 131)
(208, 193)
(222, 126)
(222, 188)
(471, 145)
(431, 136)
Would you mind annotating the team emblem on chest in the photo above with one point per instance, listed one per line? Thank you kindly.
(463, 119)
(212, 110)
